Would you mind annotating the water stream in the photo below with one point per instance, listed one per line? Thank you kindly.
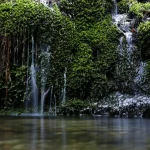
(45, 64)
(127, 51)
(41, 70)
(115, 11)
(64, 88)
(33, 80)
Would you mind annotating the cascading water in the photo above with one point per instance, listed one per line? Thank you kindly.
(64, 88)
(140, 77)
(33, 81)
(55, 112)
(140, 73)
(45, 61)
(32, 95)
(126, 51)
(50, 103)
(120, 47)
(27, 81)
(128, 35)
(115, 8)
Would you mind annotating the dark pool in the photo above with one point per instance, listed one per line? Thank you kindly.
(94, 133)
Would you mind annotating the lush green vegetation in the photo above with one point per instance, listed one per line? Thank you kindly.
(83, 42)
(139, 9)
(124, 5)
(21, 21)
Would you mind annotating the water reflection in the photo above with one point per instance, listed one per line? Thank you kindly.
(23, 133)
(34, 134)
(64, 136)
(42, 134)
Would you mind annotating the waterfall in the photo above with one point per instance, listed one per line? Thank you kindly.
(135, 67)
(140, 72)
(43, 95)
(27, 81)
(50, 103)
(36, 71)
(140, 77)
(120, 47)
(128, 36)
(115, 8)
(64, 88)
(45, 62)
(55, 113)
(33, 81)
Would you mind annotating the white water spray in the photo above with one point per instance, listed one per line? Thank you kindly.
(45, 61)
(124, 25)
(33, 81)
(64, 88)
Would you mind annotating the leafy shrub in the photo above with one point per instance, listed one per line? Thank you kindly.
(73, 107)
(138, 9)
(123, 5)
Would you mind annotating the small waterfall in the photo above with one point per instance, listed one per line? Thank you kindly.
(136, 68)
(129, 44)
(121, 53)
(140, 73)
(64, 88)
(27, 81)
(43, 95)
(120, 47)
(34, 73)
(34, 87)
(45, 61)
(115, 8)
(55, 113)
(33, 81)
(137, 73)
(50, 103)
(140, 77)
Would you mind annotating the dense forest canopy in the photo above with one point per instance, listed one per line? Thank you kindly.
(83, 44)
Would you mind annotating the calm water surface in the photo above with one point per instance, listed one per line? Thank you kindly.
(95, 133)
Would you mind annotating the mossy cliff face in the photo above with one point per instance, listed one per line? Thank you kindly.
(82, 39)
